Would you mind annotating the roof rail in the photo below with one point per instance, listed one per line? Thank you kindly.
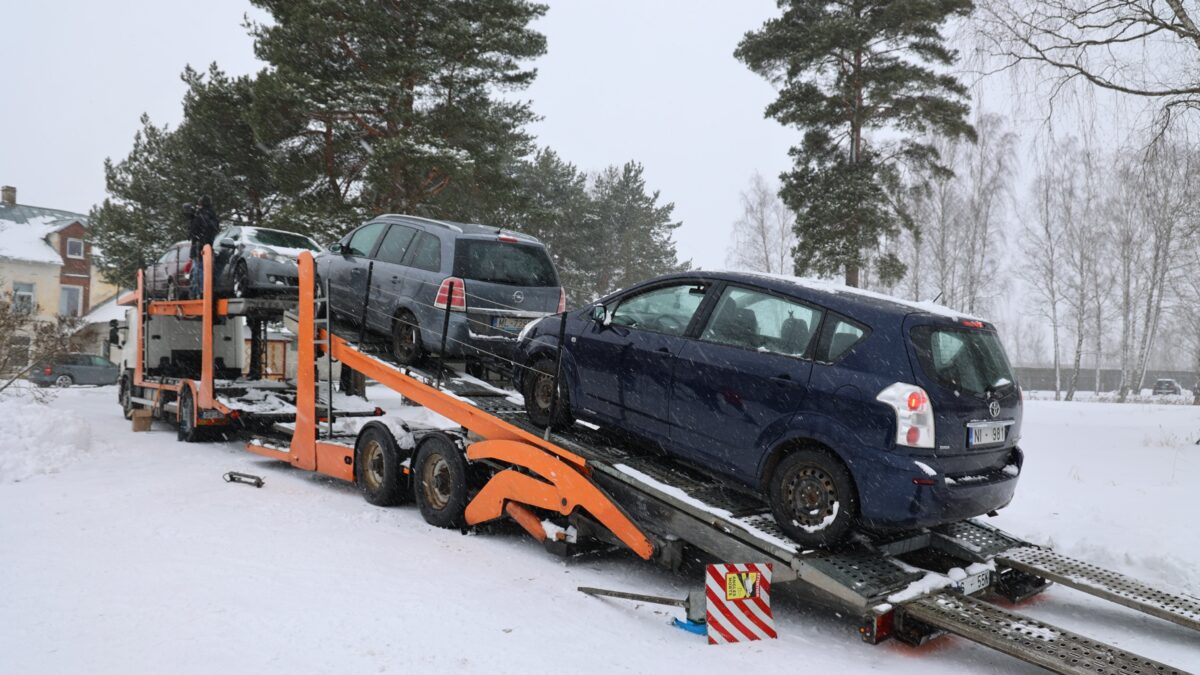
(431, 221)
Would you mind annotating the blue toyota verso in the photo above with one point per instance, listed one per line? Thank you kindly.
(839, 406)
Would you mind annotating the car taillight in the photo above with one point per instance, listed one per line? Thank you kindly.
(47, 370)
(508, 239)
(914, 414)
(562, 300)
(456, 298)
(187, 267)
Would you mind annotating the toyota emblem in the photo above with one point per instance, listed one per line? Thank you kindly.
(994, 408)
(518, 297)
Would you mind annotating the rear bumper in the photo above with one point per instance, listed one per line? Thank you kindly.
(905, 495)
(469, 336)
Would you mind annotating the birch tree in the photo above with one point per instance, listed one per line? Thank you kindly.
(763, 237)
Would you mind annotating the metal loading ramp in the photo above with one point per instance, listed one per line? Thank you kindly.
(1112, 586)
(1027, 639)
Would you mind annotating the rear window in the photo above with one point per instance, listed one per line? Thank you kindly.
(970, 360)
(500, 262)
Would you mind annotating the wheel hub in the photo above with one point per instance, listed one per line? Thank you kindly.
(373, 463)
(812, 496)
(543, 392)
(436, 481)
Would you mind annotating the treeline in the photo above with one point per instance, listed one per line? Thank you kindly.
(371, 108)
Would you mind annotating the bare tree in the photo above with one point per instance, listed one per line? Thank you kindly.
(1081, 229)
(26, 340)
(764, 235)
(1142, 48)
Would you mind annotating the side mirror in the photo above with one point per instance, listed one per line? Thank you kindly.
(226, 243)
(599, 314)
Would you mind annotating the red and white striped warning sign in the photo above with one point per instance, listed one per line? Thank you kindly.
(739, 603)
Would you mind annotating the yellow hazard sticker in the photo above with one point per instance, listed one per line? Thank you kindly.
(741, 585)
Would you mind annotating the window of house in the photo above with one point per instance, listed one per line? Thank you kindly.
(70, 301)
(23, 297)
(74, 248)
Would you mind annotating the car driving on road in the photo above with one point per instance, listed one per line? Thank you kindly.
(399, 274)
(837, 405)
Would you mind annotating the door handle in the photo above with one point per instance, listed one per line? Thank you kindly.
(782, 379)
(663, 350)
(395, 277)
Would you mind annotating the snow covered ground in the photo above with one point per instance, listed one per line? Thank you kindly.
(127, 553)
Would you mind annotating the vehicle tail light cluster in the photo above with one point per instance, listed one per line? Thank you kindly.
(562, 300)
(508, 239)
(456, 299)
(47, 370)
(914, 414)
(187, 267)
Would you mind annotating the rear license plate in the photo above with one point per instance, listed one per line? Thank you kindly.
(987, 435)
(211, 415)
(976, 582)
(510, 325)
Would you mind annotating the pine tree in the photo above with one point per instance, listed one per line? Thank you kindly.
(845, 69)
(393, 106)
(635, 231)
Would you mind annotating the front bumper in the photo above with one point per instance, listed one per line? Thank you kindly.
(270, 275)
(902, 494)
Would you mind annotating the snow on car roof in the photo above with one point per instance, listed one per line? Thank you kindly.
(824, 286)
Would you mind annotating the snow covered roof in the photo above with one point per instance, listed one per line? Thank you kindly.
(106, 311)
(23, 232)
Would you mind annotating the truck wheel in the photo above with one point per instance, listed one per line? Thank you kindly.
(378, 468)
(126, 397)
(813, 498)
(538, 391)
(188, 433)
(440, 487)
(406, 339)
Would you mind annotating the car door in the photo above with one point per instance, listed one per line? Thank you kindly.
(736, 387)
(625, 362)
(389, 277)
(106, 371)
(348, 270)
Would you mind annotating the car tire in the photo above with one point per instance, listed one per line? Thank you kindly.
(407, 349)
(440, 483)
(241, 281)
(537, 386)
(813, 498)
(379, 468)
(172, 289)
(64, 381)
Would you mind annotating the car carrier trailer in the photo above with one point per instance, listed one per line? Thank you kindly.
(581, 486)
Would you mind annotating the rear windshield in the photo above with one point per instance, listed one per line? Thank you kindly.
(970, 360)
(281, 239)
(501, 262)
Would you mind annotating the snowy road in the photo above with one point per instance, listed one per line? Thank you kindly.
(126, 553)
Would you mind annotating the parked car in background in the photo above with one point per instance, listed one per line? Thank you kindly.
(1167, 387)
(400, 273)
(170, 276)
(837, 405)
(70, 369)
(256, 260)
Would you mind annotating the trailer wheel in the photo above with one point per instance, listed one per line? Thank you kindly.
(188, 433)
(406, 339)
(813, 498)
(538, 390)
(440, 487)
(377, 468)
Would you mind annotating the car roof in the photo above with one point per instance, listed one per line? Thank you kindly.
(470, 229)
(842, 299)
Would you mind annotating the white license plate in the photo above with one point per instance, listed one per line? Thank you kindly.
(976, 582)
(987, 435)
(211, 415)
(510, 325)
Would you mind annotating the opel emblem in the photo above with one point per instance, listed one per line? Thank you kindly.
(518, 297)
(994, 408)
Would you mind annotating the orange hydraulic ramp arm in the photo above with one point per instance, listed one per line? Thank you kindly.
(565, 490)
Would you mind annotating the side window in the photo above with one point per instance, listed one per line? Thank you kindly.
(101, 361)
(666, 309)
(841, 335)
(426, 253)
(395, 243)
(754, 320)
(363, 241)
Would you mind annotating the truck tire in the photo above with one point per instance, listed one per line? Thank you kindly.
(812, 497)
(440, 483)
(538, 390)
(125, 396)
(188, 433)
(379, 468)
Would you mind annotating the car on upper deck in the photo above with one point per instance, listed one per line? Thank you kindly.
(839, 406)
(404, 277)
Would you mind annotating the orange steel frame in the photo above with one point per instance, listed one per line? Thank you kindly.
(202, 390)
(543, 475)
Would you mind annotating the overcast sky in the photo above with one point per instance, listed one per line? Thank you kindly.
(651, 81)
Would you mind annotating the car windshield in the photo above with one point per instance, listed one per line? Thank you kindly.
(971, 360)
(501, 262)
(281, 239)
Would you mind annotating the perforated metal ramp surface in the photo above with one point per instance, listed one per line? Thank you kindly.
(1027, 639)
(1113, 586)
